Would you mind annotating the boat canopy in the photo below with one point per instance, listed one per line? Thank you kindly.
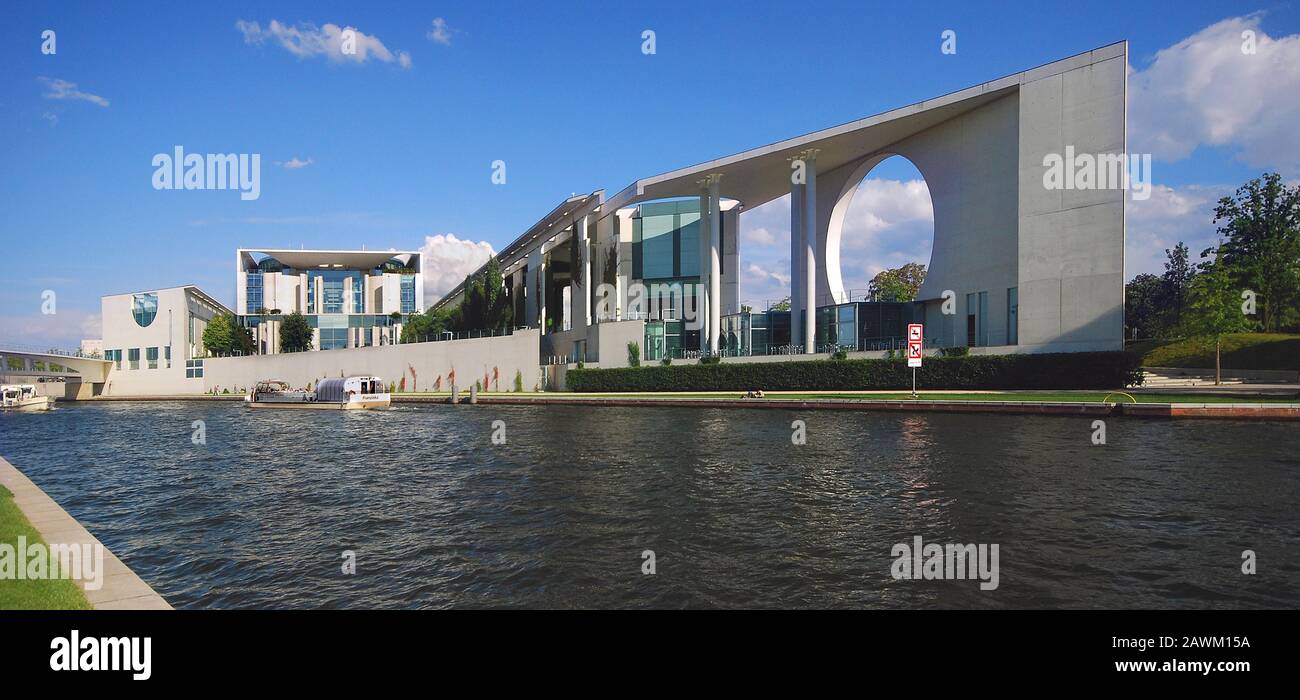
(331, 390)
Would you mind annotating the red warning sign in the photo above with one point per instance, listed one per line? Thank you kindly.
(915, 332)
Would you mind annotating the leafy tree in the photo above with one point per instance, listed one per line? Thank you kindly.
(1144, 310)
(1214, 309)
(427, 326)
(783, 305)
(219, 333)
(898, 284)
(224, 336)
(485, 305)
(1260, 249)
(295, 333)
(1178, 276)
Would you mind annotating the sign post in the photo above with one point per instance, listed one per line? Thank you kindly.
(915, 333)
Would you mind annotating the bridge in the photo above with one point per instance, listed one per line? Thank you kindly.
(59, 373)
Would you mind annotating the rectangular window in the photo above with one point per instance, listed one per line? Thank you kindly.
(114, 356)
(657, 249)
(333, 338)
(151, 356)
(167, 355)
(1013, 313)
(689, 249)
(194, 369)
(984, 319)
(253, 289)
(133, 358)
(408, 294)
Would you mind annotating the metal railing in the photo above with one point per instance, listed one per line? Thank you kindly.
(40, 350)
(460, 335)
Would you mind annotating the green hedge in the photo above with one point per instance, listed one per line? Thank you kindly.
(1076, 370)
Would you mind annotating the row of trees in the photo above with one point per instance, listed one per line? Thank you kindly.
(1257, 263)
(486, 305)
(1249, 281)
(225, 336)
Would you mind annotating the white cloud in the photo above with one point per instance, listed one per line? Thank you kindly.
(765, 285)
(1204, 91)
(447, 261)
(294, 163)
(1169, 216)
(306, 40)
(63, 330)
(758, 236)
(57, 89)
(440, 34)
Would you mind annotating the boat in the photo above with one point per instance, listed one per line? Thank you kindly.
(23, 397)
(338, 393)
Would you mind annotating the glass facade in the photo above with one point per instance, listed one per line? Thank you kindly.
(666, 241)
(333, 288)
(253, 291)
(144, 307)
(408, 295)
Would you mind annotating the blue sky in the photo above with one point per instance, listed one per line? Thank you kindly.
(396, 150)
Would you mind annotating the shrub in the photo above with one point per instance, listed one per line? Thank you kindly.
(1081, 370)
(839, 355)
(519, 382)
(961, 351)
(634, 354)
(710, 360)
(666, 362)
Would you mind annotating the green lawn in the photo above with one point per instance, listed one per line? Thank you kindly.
(1240, 351)
(56, 594)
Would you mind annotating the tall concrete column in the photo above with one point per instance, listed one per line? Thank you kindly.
(809, 238)
(796, 258)
(706, 266)
(582, 291)
(715, 262)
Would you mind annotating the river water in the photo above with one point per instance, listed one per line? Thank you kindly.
(737, 516)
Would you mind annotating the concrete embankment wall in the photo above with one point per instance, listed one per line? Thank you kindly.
(497, 359)
(119, 587)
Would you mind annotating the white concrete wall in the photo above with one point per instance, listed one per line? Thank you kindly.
(471, 359)
(121, 332)
(1071, 251)
(612, 339)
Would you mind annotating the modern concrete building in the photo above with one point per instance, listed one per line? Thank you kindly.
(348, 296)
(153, 340)
(1021, 262)
(1018, 264)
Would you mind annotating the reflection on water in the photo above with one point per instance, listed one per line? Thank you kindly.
(737, 515)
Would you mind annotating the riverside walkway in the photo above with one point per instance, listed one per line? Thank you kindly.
(122, 589)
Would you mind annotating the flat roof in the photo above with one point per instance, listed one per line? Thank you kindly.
(307, 259)
(759, 175)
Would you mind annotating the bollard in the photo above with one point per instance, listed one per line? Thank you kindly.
(473, 393)
(455, 398)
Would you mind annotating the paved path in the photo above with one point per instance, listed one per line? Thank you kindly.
(122, 589)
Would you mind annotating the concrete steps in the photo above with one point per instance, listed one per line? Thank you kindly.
(1176, 377)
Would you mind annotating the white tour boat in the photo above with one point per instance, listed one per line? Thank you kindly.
(340, 393)
(23, 397)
